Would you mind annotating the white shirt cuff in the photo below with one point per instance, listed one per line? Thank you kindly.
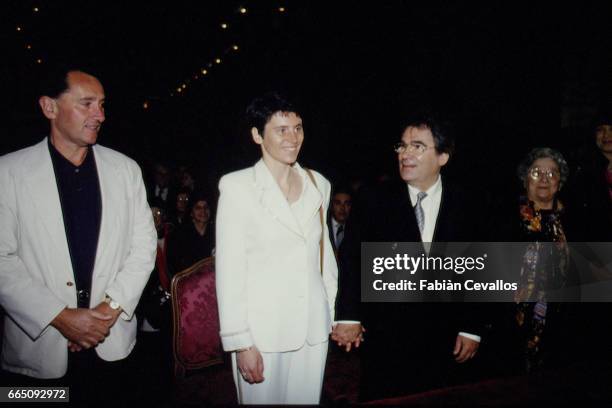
(470, 336)
(347, 322)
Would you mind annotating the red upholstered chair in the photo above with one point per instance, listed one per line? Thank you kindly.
(196, 341)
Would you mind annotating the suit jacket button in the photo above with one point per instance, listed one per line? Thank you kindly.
(69, 283)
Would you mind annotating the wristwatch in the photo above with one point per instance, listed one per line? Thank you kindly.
(113, 305)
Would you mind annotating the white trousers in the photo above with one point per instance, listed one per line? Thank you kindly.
(292, 377)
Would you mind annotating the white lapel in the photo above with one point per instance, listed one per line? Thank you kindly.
(109, 224)
(272, 199)
(42, 186)
(311, 197)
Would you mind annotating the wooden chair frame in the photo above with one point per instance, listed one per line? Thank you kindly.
(181, 366)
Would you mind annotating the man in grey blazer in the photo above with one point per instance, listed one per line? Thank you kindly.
(77, 245)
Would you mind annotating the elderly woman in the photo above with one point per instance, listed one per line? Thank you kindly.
(545, 262)
(276, 271)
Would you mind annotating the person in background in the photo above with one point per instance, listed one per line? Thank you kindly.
(543, 172)
(589, 191)
(589, 201)
(534, 333)
(340, 211)
(195, 239)
(160, 189)
(181, 208)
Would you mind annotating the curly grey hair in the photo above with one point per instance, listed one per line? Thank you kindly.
(539, 153)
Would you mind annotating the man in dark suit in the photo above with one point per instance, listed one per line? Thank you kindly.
(161, 189)
(340, 210)
(588, 194)
(410, 347)
(588, 197)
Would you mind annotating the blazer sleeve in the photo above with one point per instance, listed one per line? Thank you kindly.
(231, 265)
(130, 281)
(28, 302)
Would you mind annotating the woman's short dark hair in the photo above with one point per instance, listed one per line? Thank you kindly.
(200, 195)
(541, 153)
(602, 118)
(443, 138)
(261, 109)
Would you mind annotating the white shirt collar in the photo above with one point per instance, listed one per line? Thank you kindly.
(433, 190)
(335, 225)
(431, 208)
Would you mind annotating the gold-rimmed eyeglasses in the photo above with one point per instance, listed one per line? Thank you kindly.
(537, 173)
(412, 147)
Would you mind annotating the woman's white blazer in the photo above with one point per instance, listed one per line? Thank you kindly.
(270, 289)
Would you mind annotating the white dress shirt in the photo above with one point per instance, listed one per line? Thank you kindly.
(161, 192)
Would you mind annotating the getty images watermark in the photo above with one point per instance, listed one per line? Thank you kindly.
(486, 272)
(411, 264)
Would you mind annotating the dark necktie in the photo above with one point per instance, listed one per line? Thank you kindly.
(339, 235)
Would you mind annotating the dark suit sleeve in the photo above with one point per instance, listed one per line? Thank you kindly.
(348, 299)
(358, 229)
(471, 221)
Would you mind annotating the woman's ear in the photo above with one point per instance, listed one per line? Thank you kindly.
(257, 138)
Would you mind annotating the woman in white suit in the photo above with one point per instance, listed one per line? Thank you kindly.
(276, 271)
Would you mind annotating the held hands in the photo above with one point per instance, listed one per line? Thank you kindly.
(348, 334)
(250, 365)
(465, 349)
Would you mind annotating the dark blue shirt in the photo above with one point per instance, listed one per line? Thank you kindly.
(81, 200)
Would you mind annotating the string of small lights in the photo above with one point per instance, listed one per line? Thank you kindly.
(205, 70)
(25, 30)
(222, 52)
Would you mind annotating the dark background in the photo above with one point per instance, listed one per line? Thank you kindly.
(510, 77)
